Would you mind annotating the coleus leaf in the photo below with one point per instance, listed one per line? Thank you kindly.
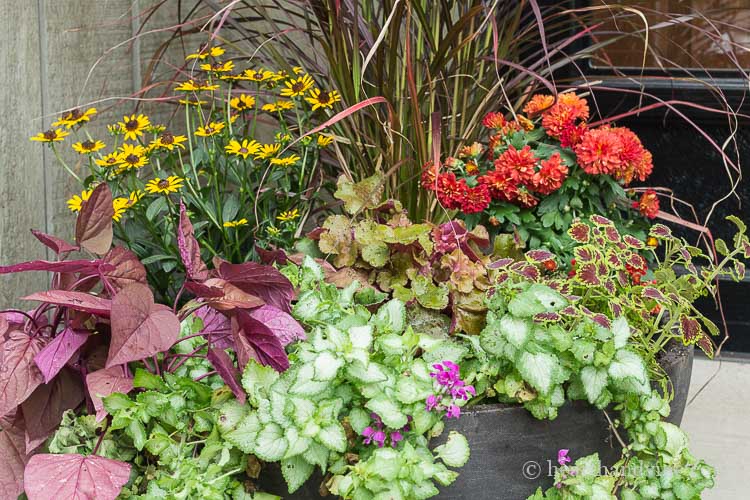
(227, 371)
(57, 245)
(140, 328)
(63, 266)
(19, 376)
(102, 383)
(58, 352)
(254, 340)
(262, 281)
(54, 477)
(94, 224)
(48, 403)
(190, 251)
(121, 268)
(74, 300)
(12, 457)
(283, 325)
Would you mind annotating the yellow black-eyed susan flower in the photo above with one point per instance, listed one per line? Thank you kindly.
(74, 117)
(109, 160)
(156, 128)
(287, 161)
(267, 151)
(52, 135)
(288, 215)
(242, 102)
(76, 201)
(171, 184)
(133, 126)
(273, 107)
(323, 98)
(132, 156)
(169, 141)
(324, 140)
(243, 149)
(210, 129)
(202, 54)
(273, 231)
(257, 75)
(283, 137)
(236, 223)
(297, 86)
(89, 146)
(218, 67)
(120, 205)
(195, 86)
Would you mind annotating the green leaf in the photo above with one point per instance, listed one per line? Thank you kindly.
(455, 451)
(333, 437)
(361, 336)
(156, 207)
(271, 444)
(243, 436)
(317, 454)
(629, 365)
(391, 317)
(525, 305)
(428, 294)
(230, 208)
(376, 254)
(137, 432)
(410, 391)
(147, 380)
(327, 366)
(538, 369)
(257, 377)
(296, 471)
(721, 246)
(389, 411)
(361, 195)
(359, 419)
(549, 298)
(594, 381)
(620, 331)
(372, 373)
(515, 330)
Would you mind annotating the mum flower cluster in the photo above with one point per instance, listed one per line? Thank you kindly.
(449, 389)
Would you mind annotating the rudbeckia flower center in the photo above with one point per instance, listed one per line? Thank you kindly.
(50, 135)
(74, 114)
(324, 97)
(131, 125)
(163, 184)
(132, 159)
(298, 87)
(243, 151)
(88, 145)
(167, 138)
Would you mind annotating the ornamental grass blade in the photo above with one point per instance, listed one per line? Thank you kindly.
(140, 328)
(54, 477)
(104, 382)
(190, 251)
(59, 351)
(94, 224)
(79, 301)
(19, 375)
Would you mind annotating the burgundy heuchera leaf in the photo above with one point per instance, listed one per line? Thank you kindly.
(57, 245)
(254, 340)
(280, 323)
(265, 282)
(75, 300)
(140, 328)
(122, 268)
(19, 376)
(228, 372)
(53, 357)
(57, 477)
(190, 251)
(102, 383)
(94, 224)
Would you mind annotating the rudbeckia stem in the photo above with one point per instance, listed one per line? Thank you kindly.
(65, 165)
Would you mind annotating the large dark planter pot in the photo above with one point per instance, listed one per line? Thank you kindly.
(513, 453)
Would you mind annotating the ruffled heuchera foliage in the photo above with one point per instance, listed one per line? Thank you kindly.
(99, 317)
(539, 170)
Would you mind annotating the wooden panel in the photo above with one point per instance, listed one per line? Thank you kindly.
(79, 33)
(21, 166)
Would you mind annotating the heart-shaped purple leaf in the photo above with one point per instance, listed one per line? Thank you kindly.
(74, 300)
(57, 245)
(140, 328)
(216, 326)
(102, 383)
(12, 457)
(53, 357)
(19, 375)
(283, 325)
(94, 224)
(190, 250)
(227, 371)
(54, 477)
(122, 268)
(254, 340)
(48, 403)
(263, 281)
(63, 266)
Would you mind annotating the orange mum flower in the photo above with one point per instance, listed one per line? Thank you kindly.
(564, 113)
(648, 205)
(636, 160)
(538, 103)
(476, 199)
(520, 163)
(494, 120)
(500, 184)
(599, 151)
(551, 176)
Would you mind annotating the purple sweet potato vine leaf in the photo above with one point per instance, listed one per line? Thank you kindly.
(140, 328)
(46, 405)
(55, 477)
(19, 375)
(79, 301)
(262, 281)
(190, 251)
(227, 371)
(283, 325)
(254, 340)
(94, 224)
(53, 357)
(12, 457)
(102, 383)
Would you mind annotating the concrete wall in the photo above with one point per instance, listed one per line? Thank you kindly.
(58, 54)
